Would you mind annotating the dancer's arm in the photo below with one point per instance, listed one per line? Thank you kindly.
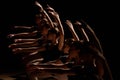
(82, 31)
(45, 14)
(24, 40)
(24, 45)
(71, 28)
(55, 15)
(28, 50)
(24, 34)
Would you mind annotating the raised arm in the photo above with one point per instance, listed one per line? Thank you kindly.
(59, 25)
(82, 31)
(71, 28)
(45, 14)
(93, 38)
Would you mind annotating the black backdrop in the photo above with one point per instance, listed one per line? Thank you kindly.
(100, 15)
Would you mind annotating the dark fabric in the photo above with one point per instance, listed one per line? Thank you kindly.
(51, 53)
(84, 77)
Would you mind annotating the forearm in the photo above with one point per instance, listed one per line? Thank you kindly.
(84, 35)
(45, 14)
(28, 50)
(61, 37)
(24, 40)
(61, 30)
(91, 33)
(71, 28)
(74, 34)
(24, 27)
(24, 45)
(22, 35)
(24, 50)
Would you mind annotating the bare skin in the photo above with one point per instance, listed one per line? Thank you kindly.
(90, 32)
(24, 44)
(28, 50)
(71, 28)
(23, 27)
(82, 31)
(25, 40)
(55, 15)
(44, 13)
(24, 34)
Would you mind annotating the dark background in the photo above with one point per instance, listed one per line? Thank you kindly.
(100, 15)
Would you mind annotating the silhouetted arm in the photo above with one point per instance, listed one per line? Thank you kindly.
(45, 14)
(24, 34)
(24, 40)
(82, 31)
(71, 28)
(24, 44)
(28, 50)
(92, 36)
(24, 27)
(56, 17)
